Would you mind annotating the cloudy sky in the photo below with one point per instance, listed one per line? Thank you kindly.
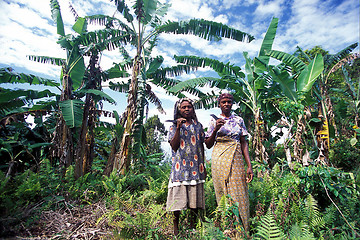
(27, 29)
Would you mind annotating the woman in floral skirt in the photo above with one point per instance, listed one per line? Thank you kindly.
(188, 173)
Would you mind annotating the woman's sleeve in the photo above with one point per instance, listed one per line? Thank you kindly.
(210, 128)
(171, 133)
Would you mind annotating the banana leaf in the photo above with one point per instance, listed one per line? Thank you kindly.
(309, 75)
(72, 111)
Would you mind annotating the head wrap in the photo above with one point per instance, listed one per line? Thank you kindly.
(177, 108)
(225, 95)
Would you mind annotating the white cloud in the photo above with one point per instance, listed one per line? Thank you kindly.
(318, 23)
(269, 8)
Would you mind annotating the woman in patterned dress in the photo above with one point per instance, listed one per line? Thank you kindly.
(228, 171)
(188, 173)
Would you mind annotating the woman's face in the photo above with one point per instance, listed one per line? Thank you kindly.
(186, 110)
(226, 105)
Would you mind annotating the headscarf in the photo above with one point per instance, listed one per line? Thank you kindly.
(225, 95)
(177, 108)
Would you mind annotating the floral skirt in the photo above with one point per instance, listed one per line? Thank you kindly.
(229, 175)
(184, 196)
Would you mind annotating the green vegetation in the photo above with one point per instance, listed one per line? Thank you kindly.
(71, 175)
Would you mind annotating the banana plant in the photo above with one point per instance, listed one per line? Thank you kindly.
(21, 145)
(313, 78)
(143, 25)
(77, 117)
(354, 92)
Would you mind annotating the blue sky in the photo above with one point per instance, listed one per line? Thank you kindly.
(27, 29)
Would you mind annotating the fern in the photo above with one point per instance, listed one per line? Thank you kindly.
(268, 228)
(312, 213)
(144, 225)
(301, 232)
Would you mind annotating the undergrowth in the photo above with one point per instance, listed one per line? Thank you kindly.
(312, 202)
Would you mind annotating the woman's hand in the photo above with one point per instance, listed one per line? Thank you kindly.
(219, 123)
(179, 122)
(249, 175)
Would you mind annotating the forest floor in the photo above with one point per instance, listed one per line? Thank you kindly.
(65, 223)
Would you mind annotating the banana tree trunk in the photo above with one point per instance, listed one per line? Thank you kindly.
(260, 151)
(81, 162)
(62, 147)
(122, 159)
(300, 128)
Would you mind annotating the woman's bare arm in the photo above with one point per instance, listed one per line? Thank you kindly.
(245, 152)
(209, 142)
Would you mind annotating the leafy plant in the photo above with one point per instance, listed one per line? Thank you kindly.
(268, 228)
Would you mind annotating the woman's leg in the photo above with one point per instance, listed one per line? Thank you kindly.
(176, 222)
(193, 215)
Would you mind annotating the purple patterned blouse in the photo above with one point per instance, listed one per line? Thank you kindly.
(188, 160)
(234, 127)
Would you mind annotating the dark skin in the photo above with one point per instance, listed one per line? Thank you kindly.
(225, 105)
(187, 113)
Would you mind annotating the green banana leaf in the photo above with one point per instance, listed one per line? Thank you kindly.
(309, 75)
(80, 25)
(268, 41)
(72, 111)
(76, 69)
(288, 59)
(56, 16)
(98, 93)
(155, 64)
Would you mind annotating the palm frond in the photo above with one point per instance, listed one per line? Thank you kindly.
(208, 30)
(268, 40)
(56, 16)
(154, 65)
(219, 67)
(120, 87)
(26, 96)
(98, 93)
(349, 83)
(103, 39)
(164, 82)
(309, 75)
(173, 71)
(151, 96)
(117, 71)
(73, 11)
(192, 83)
(299, 52)
(47, 60)
(207, 102)
(123, 9)
(7, 75)
(144, 10)
(288, 59)
(346, 60)
(161, 10)
(333, 59)
(126, 56)
(80, 25)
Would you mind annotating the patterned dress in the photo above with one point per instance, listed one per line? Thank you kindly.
(186, 182)
(228, 170)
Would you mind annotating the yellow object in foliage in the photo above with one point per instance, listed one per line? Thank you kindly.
(324, 133)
